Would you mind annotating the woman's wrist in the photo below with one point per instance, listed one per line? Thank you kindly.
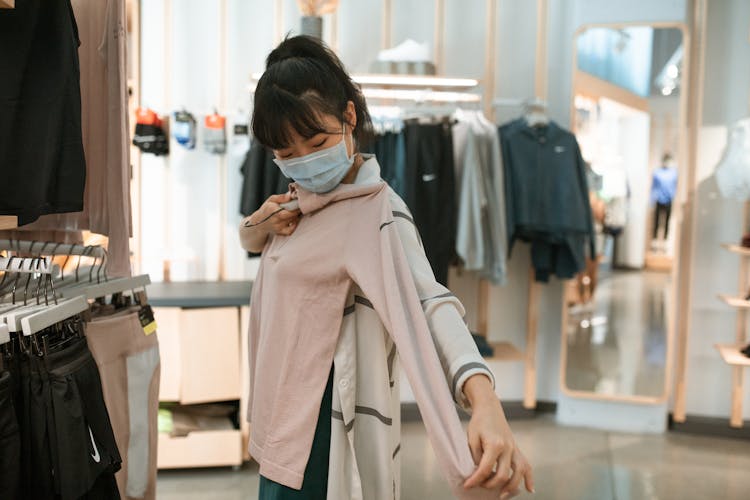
(479, 391)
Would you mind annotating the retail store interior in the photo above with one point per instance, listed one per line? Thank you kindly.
(578, 172)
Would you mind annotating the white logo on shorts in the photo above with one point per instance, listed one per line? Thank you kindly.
(95, 455)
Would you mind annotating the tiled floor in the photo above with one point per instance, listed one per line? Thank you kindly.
(617, 344)
(569, 464)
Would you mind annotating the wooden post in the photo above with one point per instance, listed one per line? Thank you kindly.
(532, 325)
(386, 34)
(223, 182)
(483, 302)
(738, 392)
(8, 222)
(740, 336)
(540, 76)
(439, 46)
(682, 283)
(278, 16)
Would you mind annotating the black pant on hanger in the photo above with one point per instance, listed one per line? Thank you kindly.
(662, 211)
(430, 191)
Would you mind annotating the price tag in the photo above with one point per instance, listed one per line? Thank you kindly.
(146, 316)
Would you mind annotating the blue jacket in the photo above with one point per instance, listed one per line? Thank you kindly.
(547, 200)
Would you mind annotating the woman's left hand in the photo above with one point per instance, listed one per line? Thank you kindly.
(493, 448)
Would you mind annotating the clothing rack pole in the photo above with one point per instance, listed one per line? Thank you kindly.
(58, 249)
(27, 265)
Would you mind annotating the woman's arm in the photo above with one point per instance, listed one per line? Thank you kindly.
(268, 219)
(499, 460)
(458, 353)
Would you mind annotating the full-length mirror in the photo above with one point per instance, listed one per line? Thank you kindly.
(627, 95)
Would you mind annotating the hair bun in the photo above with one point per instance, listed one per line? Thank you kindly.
(298, 47)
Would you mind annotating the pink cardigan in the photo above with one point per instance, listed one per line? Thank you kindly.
(298, 306)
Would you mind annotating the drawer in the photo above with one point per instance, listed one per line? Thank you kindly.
(200, 449)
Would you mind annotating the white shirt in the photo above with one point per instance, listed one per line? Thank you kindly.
(366, 412)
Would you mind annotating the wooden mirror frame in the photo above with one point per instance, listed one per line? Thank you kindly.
(682, 159)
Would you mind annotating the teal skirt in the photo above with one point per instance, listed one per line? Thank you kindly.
(315, 482)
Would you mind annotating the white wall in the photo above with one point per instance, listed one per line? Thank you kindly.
(727, 91)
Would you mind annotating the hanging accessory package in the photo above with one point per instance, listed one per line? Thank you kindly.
(183, 129)
(214, 133)
(149, 133)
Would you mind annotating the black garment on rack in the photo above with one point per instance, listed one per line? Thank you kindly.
(430, 191)
(67, 448)
(42, 165)
(10, 441)
(390, 150)
(547, 200)
(262, 178)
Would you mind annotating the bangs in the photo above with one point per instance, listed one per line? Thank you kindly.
(291, 96)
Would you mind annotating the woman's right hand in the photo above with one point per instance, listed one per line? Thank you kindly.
(255, 229)
(283, 222)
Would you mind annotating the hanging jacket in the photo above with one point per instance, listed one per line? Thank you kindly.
(547, 199)
(303, 298)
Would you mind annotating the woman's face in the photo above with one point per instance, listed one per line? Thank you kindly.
(336, 129)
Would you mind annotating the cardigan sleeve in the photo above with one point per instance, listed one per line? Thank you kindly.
(375, 259)
(456, 349)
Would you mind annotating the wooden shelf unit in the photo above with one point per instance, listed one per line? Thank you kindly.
(736, 302)
(738, 249)
(731, 353)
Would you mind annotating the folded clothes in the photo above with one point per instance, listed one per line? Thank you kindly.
(179, 421)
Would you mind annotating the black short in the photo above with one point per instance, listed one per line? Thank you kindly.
(10, 441)
(73, 449)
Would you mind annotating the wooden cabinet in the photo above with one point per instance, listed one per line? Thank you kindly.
(200, 363)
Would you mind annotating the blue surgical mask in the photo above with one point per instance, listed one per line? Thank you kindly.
(321, 171)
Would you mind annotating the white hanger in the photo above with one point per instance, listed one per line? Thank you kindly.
(53, 314)
(4, 334)
(12, 318)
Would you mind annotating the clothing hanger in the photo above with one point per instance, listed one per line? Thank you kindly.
(4, 334)
(52, 315)
(535, 112)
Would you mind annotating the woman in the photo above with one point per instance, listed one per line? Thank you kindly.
(344, 289)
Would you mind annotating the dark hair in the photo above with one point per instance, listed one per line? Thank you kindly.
(304, 80)
(667, 157)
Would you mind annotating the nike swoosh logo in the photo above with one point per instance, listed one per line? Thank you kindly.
(429, 177)
(95, 455)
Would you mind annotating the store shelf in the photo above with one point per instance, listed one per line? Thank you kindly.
(738, 302)
(739, 250)
(732, 355)
(505, 351)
